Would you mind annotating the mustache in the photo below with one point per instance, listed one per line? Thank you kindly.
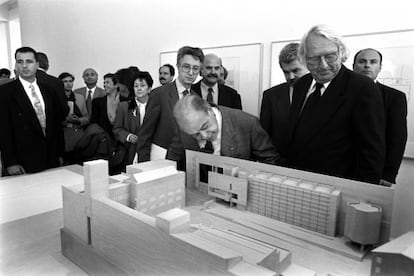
(212, 75)
(162, 79)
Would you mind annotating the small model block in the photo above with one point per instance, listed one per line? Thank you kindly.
(228, 188)
(96, 179)
(150, 165)
(172, 219)
(395, 257)
(362, 222)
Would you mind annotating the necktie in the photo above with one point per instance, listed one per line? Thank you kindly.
(312, 101)
(89, 102)
(208, 148)
(41, 116)
(185, 93)
(210, 95)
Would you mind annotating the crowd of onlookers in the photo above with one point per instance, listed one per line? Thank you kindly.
(325, 118)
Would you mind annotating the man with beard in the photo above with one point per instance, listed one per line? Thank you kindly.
(276, 101)
(209, 87)
(167, 73)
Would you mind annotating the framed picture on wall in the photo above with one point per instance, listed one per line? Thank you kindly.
(397, 49)
(244, 65)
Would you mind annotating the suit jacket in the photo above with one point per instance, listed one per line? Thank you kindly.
(159, 125)
(72, 132)
(227, 96)
(395, 104)
(22, 141)
(56, 85)
(100, 113)
(345, 136)
(99, 92)
(274, 115)
(127, 122)
(241, 137)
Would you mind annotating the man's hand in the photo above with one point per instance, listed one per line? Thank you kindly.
(384, 182)
(132, 138)
(15, 170)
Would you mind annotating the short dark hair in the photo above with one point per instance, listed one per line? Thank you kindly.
(112, 77)
(5, 71)
(144, 75)
(26, 49)
(170, 67)
(379, 53)
(65, 75)
(43, 61)
(289, 53)
(197, 53)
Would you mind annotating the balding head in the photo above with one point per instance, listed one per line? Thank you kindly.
(90, 77)
(211, 69)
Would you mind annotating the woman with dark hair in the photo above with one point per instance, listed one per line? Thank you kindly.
(104, 108)
(76, 120)
(130, 116)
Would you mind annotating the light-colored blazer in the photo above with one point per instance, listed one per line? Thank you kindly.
(99, 92)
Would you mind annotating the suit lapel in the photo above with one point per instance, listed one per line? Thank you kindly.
(26, 106)
(228, 135)
(331, 100)
(172, 94)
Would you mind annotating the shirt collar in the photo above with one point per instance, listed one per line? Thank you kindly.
(26, 84)
(323, 89)
(206, 87)
(180, 87)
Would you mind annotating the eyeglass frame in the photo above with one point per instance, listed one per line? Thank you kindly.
(313, 62)
(187, 68)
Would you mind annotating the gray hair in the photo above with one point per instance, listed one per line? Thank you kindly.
(185, 106)
(328, 33)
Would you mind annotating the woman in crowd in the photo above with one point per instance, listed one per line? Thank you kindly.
(131, 115)
(76, 120)
(104, 108)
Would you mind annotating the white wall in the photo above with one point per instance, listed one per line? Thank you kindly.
(110, 34)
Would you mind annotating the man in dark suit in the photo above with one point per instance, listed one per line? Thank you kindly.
(368, 62)
(91, 90)
(224, 131)
(209, 87)
(30, 120)
(54, 83)
(276, 101)
(336, 120)
(159, 126)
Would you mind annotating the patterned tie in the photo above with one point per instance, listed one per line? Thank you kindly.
(185, 93)
(210, 95)
(89, 102)
(41, 116)
(208, 148)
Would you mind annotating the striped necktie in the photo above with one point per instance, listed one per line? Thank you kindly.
(210, 95)
(40, 113)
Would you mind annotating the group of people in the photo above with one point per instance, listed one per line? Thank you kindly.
(325, 118)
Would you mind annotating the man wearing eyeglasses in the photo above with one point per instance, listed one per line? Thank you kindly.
(209, 87)
(159, 126)
(336, 121)
(368, 62)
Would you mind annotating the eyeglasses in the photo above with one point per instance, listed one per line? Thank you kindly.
(187, 68)
(316, 60)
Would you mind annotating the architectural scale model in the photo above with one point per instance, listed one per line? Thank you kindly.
(395, 257)
(140, 224)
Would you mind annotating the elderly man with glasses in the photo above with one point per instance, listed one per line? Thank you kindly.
(159, 126)
(336, 120)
